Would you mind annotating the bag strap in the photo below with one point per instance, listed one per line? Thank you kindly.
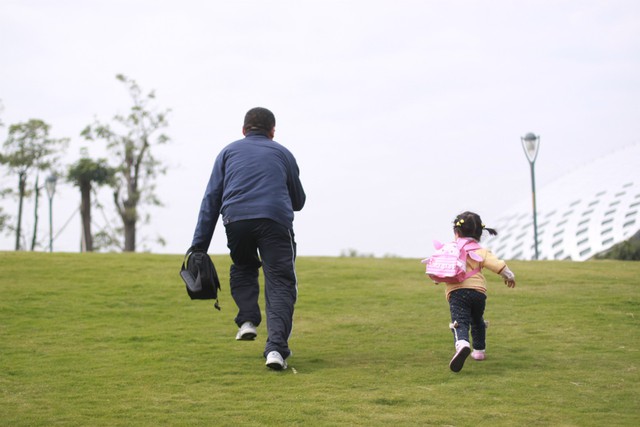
(186, 259)
(467, 246)
(472, 273)
(468, 242)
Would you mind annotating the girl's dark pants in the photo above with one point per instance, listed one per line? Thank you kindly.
(467, 309)
(264, 243)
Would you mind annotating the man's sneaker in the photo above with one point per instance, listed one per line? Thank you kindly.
(478, 354)
(463, 348)
(275, 361)
(247, 332)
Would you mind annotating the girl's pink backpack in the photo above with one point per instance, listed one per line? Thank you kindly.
(449, 263)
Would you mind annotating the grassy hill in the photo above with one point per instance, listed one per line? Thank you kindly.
(113, 339)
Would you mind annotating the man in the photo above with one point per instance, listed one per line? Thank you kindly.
(255, 185)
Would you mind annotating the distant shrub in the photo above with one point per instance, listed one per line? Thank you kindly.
(353, 253)
(628, 250)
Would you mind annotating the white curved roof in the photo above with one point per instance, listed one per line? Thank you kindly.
(580, 215)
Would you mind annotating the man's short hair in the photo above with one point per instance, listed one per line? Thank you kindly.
(259, 119)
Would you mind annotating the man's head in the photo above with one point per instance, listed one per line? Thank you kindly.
(259, 119)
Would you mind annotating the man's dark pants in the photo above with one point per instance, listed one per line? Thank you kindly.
(263, 242)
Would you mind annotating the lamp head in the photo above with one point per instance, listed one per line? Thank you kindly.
(530, 144)
(50, 185)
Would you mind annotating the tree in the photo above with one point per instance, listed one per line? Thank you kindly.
(131, 145)
(28, 147)
(83, 174)
(4, 218)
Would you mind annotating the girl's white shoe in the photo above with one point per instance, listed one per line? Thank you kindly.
(463, 348)
(478, 354)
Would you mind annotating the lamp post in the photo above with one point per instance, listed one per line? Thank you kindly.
(50, 185)
(530, 144)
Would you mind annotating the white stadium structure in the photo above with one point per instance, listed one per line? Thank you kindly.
(579, 216)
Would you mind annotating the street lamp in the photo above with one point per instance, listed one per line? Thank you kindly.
(50, 185)
(531, 144)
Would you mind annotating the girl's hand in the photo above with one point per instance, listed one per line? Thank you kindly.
(509, 277)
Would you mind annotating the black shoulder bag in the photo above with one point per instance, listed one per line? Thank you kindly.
(200, 276)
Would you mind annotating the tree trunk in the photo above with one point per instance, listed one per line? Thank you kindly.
(85, 214)
(130, 216)
(130, 235)
(35, 216)
(22, 179)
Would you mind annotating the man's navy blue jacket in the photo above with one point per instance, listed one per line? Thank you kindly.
(252, 178)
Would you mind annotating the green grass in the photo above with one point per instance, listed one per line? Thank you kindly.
(112, 339)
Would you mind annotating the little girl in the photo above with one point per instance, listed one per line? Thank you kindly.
(467, 299)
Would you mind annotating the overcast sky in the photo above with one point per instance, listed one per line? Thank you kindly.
(400, 113)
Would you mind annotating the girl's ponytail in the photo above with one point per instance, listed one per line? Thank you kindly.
(491, 231)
